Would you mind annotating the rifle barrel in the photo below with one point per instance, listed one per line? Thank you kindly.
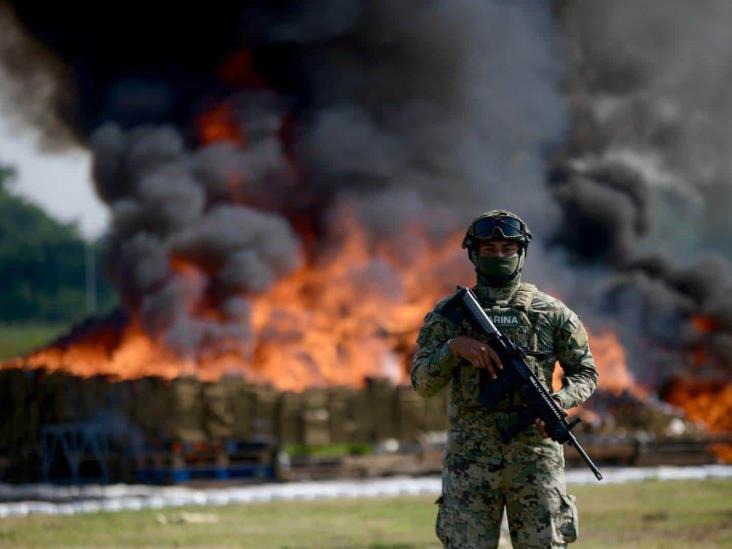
(581, 451)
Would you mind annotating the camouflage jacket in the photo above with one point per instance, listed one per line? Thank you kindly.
(540, 324)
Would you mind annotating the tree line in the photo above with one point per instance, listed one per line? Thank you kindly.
(45, 265)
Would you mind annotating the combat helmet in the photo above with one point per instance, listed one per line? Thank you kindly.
(497, 225)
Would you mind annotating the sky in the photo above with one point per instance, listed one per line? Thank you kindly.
(58, 182)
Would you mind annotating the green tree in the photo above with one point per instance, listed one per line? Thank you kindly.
(42, 263)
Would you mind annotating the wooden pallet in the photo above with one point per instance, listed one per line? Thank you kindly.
(216, 461)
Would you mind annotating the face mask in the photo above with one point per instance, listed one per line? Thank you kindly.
(498, 266)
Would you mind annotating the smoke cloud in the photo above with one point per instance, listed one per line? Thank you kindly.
(232, 160)
(37, 86)
(644, 180)
(217, 155)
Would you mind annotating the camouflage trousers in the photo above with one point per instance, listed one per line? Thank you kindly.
(475, 491)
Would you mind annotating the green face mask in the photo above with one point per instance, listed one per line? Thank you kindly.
(498, 266)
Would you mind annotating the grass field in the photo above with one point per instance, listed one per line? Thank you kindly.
(644, 515)
(18, 339)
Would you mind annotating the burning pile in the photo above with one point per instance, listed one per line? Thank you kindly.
(288, 190)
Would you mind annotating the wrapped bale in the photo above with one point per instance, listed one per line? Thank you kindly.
(147, 405)
(218, 410)
(265, 412)
(360, 413)
(20, 421)
(316, 429)
(185, 422)
(289, 418)
(410, 413)
(342, 415)
(169, 410)
(381, 403)
(243, 400)
(98, 396)
(84, 398)
(253, 409)
(55, 394)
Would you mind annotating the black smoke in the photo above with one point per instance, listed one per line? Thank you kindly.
(393, 114)
(602, 124)
(644, 180)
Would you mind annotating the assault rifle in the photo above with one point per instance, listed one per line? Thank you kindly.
(516, 375)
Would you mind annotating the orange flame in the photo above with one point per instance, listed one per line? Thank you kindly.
(129, 354)
(709, 402)
(220, 124)
(612, 365)
(352, 313)
(705, 324)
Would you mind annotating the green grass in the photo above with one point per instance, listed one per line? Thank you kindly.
(644, 515)
(19, 339)
(329, 450)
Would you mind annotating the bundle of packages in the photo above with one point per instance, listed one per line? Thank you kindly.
(167, 410)
(381, 404)
(343, 415)
(315, 416)
(289, 418)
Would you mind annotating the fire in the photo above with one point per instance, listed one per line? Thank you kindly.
(107, 350)
(220, 124)
(709, 402)
(705, 324)
(611, 362)
(351, 313)
(351, 316)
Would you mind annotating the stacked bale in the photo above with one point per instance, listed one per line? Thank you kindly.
(159, 411)
(410, 413)
(53, 396)
(315, 416)
(168, 410)
(21, 421)
(361, 413)
(265, 412)
(381, 407)
(342, 415)
(95, 397)
(242, 398)
(218, 410)
(289, 418)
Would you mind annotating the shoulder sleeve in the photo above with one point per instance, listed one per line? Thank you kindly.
(575, 358)
(433, 362)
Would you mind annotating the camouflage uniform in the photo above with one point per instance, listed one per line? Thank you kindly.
(481, 474)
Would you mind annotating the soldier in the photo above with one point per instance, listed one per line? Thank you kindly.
(481, 474)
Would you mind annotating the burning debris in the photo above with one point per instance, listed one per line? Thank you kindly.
(295, 232)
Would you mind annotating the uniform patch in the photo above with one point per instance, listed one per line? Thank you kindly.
(509, 319)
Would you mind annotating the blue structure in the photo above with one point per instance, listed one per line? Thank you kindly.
(74, 444)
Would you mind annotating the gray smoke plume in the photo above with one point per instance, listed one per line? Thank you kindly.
(35, 84)
(645, 180)
(425, 123)
(408, 114)
(458, 105)
(170, 208)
